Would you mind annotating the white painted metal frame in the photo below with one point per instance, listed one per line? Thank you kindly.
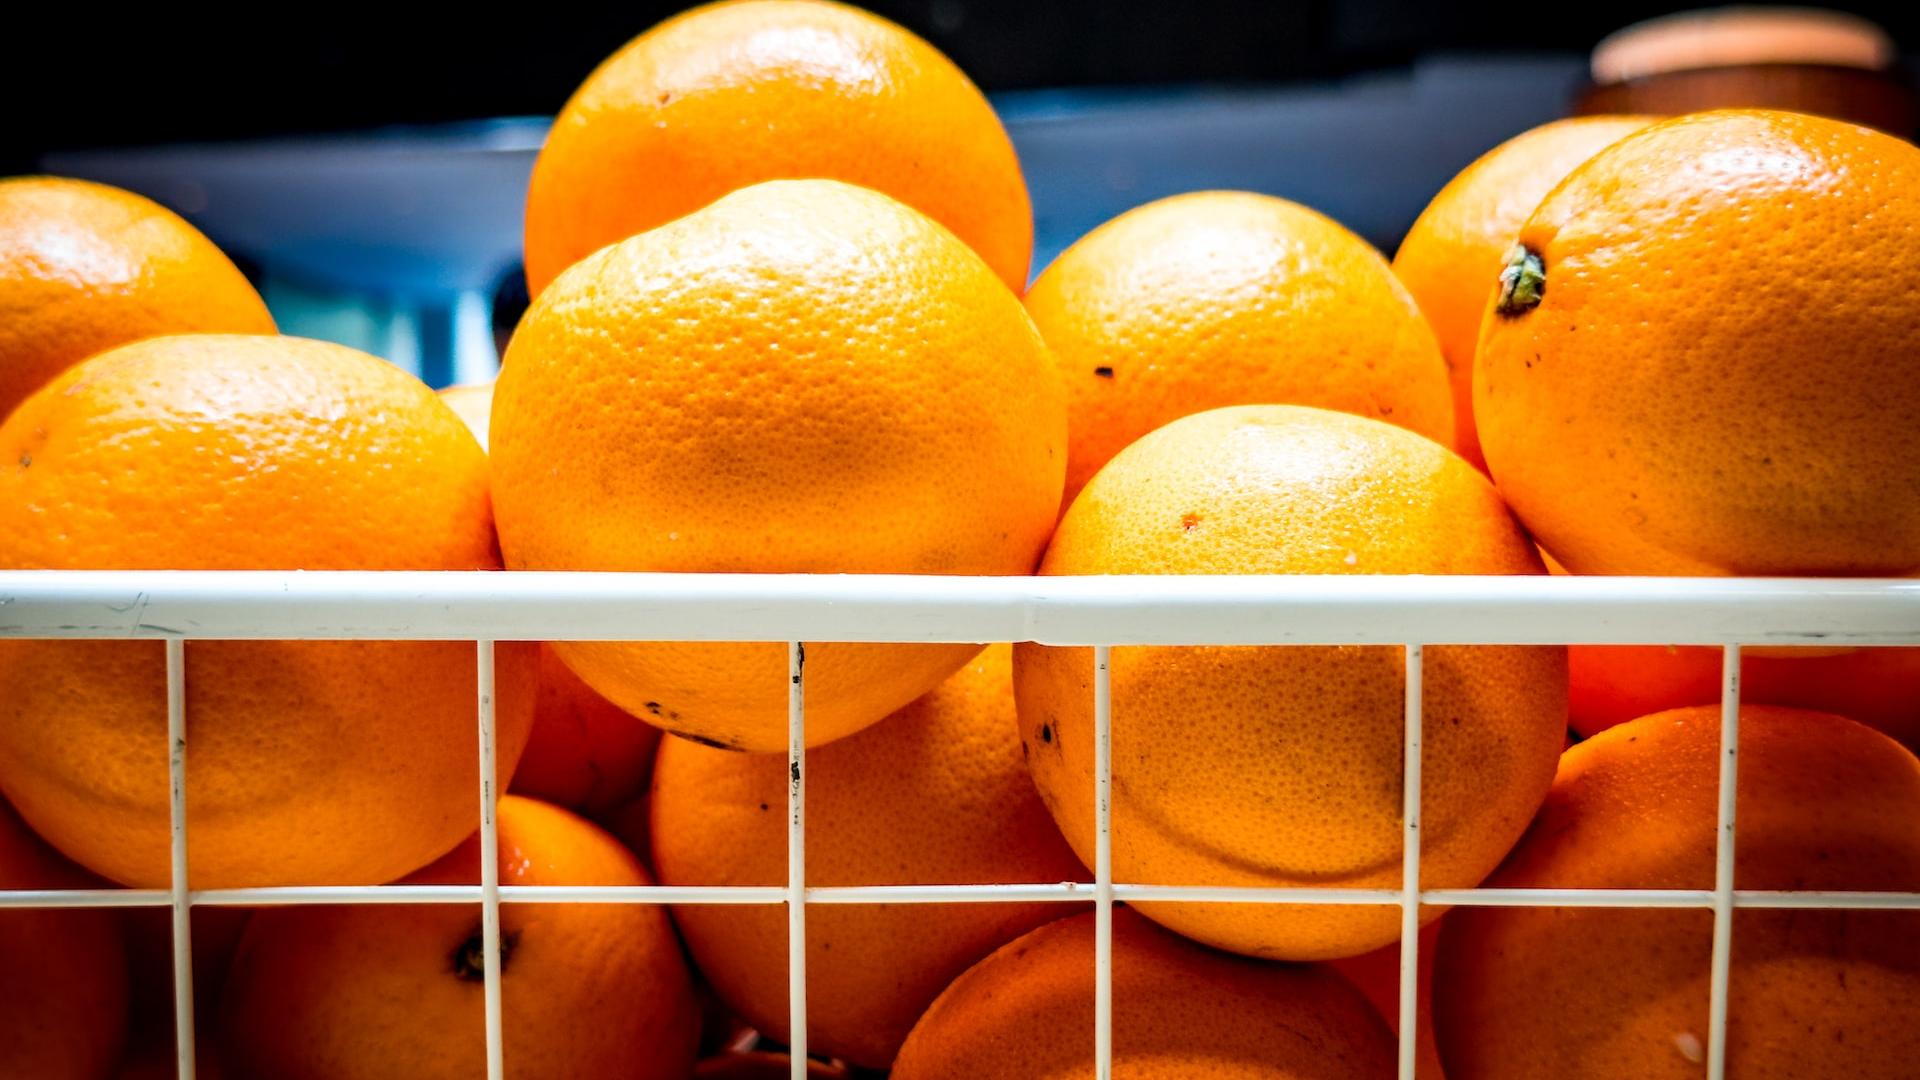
(1099, 612)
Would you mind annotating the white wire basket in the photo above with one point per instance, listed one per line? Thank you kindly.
(1101, 612)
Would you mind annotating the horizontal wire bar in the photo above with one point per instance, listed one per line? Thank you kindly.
(1627, 898)
(85, 898)
(1757, 899)
(1065, 891)
(1234, 894)
(1134, 610)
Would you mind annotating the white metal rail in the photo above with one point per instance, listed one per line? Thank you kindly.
(1100, 612)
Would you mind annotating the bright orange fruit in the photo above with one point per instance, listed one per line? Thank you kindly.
(1703, 359)
(311, 762)
(1230, 298)
(1823, 803)
(1283, 766)
(1179, 1012)
(731, 94)
(804, 377)
(936, 794)
(1451, 258)
(85, 267)
(63, 973)
(376, 992)
(1611, 684)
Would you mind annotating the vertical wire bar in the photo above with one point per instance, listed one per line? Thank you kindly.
(1723, 864)
(182, 900)
(489, 864)
(1103, 862)
(1410, 867)
(797, 858)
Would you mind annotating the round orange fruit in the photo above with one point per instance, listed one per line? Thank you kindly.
(1611, 684)
(1282, 766)
(804, 377)
(761, 1065)
(732, 94)
(584, 752)
(1823, 803)
(1377, 975)
(587, 990)
(473, 404)
(1451, 258)
(1230, 298)
(1179, 1011)
(1679, 373)
(85, 267)
(64, 973)
(309, 762)
(936, 794)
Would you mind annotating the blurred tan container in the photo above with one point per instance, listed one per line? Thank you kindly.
(1805, 59)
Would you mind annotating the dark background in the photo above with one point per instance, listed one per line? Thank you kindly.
(90, 77)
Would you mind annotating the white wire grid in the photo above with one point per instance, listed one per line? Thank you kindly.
(1097, 612)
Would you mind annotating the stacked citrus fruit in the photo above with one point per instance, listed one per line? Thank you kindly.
(779, 255)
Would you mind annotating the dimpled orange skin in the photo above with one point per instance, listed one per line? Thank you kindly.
(1451, 258)
(728, 95)
(805, 377)
(587, 990)
(64, 973)
(1720, 377)
(312, 762)
(1230, 298)
(1180, 1012)
(85, 267)
(1282, 766)
(1823, 803)
(936, 794)
(1611, 684)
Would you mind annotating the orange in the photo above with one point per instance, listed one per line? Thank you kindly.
(85, 267)
(1823, 803)
(584, 753)
(587, 990)
(1282, 766)
(760, 1065)
(1180, 1012)
(1682, 375)
(728, 95)
(149, 937)
(1451, 258)
(1614, 683)
(63, 974)
(1230, 298)
(309, 762)
(156, 1060)
(1377, 975)
(804, 377)
(936, 794)
(473, 404)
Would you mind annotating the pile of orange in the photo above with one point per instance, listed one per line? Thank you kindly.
(782, 323)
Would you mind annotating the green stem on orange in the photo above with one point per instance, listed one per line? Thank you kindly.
(1522, 282)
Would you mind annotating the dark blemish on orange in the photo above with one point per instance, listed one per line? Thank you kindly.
(1046, 733)
(1189, 522)
(1103, 372)
(470, 959)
